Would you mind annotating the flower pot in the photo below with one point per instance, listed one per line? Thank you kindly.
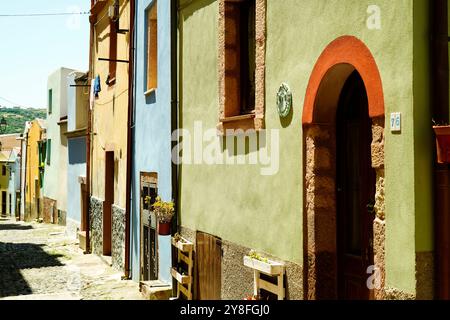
(442, 143)
(164, 228)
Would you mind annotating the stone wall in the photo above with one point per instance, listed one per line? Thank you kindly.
(237, 279)
(118, 238)
(320, 211)
(96, 225)
(379, 224)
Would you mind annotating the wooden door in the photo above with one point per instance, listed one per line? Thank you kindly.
(209, 267)
(355, 191)
(84, 208)
(4, 203)
(107, 205)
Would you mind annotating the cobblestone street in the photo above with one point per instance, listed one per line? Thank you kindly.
(37, 261)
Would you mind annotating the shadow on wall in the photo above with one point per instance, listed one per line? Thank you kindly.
(192, 7)
(17, 256)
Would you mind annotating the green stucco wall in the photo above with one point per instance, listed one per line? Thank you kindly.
(265, 213)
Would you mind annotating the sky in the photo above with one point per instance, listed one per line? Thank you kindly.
(31, 48)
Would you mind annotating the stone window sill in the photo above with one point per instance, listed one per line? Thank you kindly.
(242, 122)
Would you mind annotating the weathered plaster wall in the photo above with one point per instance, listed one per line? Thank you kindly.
(96, 212)
(32, 171)
(118, 237)
(152, 130)
(276, 201)
(110, 112)
(55, 186)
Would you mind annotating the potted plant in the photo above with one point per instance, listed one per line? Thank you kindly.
(255, 261)
(442, 142)
(164, 212)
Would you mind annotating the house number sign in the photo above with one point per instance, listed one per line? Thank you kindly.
(284, 100)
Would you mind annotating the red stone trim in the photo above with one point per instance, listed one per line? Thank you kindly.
(352, 51)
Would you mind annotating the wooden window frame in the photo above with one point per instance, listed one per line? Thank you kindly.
(230, 116)
(113, 27)
(151, 16)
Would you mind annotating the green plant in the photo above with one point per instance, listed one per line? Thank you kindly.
(164, 210)
(254, 255)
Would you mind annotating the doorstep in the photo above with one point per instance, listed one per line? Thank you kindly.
(155, 290)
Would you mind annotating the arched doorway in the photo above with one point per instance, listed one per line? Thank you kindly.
(343, 130)
(355, 190)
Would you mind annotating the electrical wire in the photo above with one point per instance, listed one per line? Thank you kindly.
(44, 14)
(12, 102)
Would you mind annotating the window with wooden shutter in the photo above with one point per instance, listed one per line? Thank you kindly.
(241, 64)
(152, 47)
(113, 25)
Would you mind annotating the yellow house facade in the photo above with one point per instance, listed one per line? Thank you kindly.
(35, 153)
(4, 183)
(109, 69)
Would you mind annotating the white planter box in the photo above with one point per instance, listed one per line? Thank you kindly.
(183, 279)
(271, 268)
(184, 245)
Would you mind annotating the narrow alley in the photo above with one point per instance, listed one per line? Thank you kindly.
(39, 262)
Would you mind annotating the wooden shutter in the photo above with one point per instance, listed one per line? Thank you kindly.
(209, 267)
(113, 50)
(232, 58)
(152, 47)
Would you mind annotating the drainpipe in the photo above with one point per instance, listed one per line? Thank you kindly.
(129, 140)
(174, 99)
(174, 116)
(440, 113)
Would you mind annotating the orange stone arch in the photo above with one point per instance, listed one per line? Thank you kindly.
(346, 50)
(339, 59)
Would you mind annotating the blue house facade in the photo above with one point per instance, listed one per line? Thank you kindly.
(152, 165)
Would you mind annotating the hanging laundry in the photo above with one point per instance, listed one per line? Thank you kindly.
(92, 94)
(97, 86)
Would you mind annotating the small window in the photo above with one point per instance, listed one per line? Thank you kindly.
(49, 150)
(3, 170)
(240, 57)
(152, 47)
(50, 101)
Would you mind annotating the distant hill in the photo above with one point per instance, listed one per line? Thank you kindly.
(16, 117)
